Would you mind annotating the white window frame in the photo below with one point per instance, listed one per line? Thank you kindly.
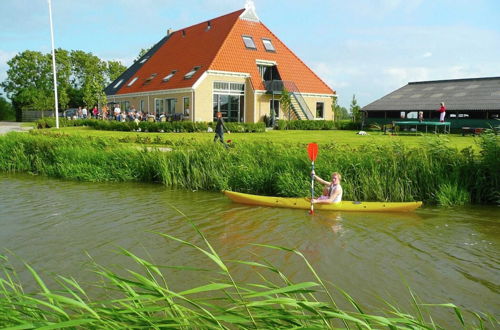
(184, 105)
(169, 76)
(162, 102)
(166, 103)
(249, 38)
(191, 73)
(271, 48)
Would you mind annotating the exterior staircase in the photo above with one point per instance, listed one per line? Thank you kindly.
(300, 110)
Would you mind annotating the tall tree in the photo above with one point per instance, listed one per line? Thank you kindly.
(142, 52)
(286, 103)
(28, 82)
(115, 69)
(355, 109)
(6, 110)
(89, 75)
(339, 112)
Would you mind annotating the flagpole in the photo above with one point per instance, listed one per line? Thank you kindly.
(53, 64)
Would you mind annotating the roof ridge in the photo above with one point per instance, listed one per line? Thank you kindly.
(451, 80)
(224, 41)
(326, 85)
(211, 19)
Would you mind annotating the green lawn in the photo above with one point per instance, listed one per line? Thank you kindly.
(291, 137)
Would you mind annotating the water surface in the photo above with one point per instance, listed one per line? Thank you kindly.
(443, 254)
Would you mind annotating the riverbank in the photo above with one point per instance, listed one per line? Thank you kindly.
(432, 172)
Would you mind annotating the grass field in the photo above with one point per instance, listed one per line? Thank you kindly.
(293, 137)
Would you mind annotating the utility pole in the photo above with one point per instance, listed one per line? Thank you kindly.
(53, 64)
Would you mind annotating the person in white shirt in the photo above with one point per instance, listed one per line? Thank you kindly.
(333, 190)
(117, 111)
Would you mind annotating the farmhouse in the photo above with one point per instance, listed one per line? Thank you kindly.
(471, 102)
(233, 64)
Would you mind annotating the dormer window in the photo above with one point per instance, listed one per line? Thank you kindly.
(118, 83)
(132, 81)
(249, 44)
(268, 45)
(148, 80)
(192, 72)
(169, 76)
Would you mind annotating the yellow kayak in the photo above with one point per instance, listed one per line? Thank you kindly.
(305, 203)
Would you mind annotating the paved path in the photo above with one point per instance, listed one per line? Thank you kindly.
(9, 126)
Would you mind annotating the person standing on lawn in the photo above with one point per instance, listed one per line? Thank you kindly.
(219, 129)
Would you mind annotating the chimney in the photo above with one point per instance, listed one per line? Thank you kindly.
(169, 31)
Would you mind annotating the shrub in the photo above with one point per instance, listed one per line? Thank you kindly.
(305, 124)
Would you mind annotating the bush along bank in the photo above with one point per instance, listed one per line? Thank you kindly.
(309, 125)
(145, 126)
(432, 173)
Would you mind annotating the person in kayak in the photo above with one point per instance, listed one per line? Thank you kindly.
(219, 130)
(332, 192)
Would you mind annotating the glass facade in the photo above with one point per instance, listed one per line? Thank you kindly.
(229, 99)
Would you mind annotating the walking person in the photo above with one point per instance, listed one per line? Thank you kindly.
(219, 130)
(442, 112)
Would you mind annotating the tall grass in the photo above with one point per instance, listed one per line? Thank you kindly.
(143, 299)
(432, 172)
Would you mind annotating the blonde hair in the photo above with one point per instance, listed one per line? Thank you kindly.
(338, 175)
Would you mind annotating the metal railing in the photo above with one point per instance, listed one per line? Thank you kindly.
(279, 85)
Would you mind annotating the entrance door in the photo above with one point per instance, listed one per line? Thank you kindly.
(274, 105)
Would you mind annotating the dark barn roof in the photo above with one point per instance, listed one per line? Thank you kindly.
(458, 94)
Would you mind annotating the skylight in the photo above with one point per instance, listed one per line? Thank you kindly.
(144, 59)
(132, 81)
(150, 78)
(192, 72)
(268, 45)
(169, 76)
(118, 83)
(249, 42)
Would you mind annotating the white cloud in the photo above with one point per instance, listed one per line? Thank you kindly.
(427, 54)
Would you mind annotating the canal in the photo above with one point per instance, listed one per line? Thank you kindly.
(442, 254)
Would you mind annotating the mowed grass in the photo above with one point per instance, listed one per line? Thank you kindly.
(292, 137)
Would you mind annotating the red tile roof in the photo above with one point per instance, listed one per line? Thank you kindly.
(219, 47)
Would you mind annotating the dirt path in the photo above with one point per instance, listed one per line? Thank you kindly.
(9, 126)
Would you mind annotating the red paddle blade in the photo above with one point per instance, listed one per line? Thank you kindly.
(312, 150)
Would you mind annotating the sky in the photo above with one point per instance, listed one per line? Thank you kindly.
(366, 48)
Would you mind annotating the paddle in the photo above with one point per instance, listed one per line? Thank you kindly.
(312, 150)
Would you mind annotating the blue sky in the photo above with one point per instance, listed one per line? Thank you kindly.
(367, 48)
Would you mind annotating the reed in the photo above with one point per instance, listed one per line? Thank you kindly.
(142, 298)
(431, 172)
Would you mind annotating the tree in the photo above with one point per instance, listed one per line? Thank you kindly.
(286, 103)
(81, 78)
(339, 112)
(142, 52)
(115, 69)
(355, 110)
(6, 110)
(28, 82)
